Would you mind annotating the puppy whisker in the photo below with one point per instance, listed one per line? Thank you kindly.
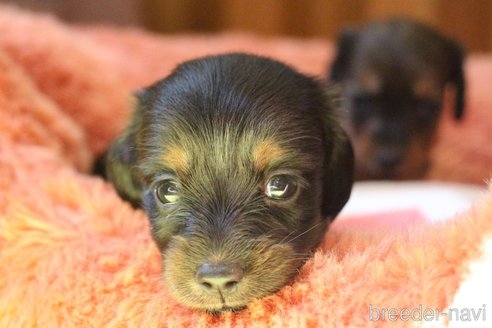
(306, 231)
(285, 238)
(300, 138)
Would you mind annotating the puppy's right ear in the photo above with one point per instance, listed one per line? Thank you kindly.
(122, 157)
(457, 77)
(345, 48)
(339, 160)
(339, 175)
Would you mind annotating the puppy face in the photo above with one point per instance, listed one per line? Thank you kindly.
(241, 165)
(393, 76)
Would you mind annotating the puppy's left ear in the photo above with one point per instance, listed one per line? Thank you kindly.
(121, 158)
(457, 76)
(346, 43)
(339, 163)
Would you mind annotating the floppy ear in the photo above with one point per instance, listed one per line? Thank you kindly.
(345, 48)
(122, 156)
(457, 77)
(339, 163)
(339, 176)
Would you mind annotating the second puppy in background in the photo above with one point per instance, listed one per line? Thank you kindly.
(393, 75)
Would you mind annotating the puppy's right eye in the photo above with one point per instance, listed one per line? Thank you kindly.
(167, 191)
(427, 109)
(281, 187)
(364, 107)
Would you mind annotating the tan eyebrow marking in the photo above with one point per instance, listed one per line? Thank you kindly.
(370, 82)
(427, 87)
(176, 158)
(265, 153)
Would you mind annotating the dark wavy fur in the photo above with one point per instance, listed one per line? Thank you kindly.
(221, 127)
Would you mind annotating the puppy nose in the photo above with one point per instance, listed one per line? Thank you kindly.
(388, 160)
(219, 276)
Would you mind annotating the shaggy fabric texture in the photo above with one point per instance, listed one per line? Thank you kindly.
(73, 254)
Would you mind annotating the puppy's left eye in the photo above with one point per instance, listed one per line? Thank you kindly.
(167, 191)
(281, 187)
(427, 109)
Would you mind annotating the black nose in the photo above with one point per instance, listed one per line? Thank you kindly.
(219, 276)
(389, 159)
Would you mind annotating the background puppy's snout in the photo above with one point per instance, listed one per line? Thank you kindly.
(219, 276)
(389, 159)
(393, 133)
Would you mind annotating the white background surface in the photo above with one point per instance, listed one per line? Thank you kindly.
(435, 200)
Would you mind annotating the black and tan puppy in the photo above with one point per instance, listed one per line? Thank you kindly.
(241, 165)
(393, 75)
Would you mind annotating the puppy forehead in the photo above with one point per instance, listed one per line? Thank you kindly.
(369, 81)
(230, 116)
(255, 151)
(377, 79)
(427, 86)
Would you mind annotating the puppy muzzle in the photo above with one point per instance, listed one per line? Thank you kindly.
(216, 276)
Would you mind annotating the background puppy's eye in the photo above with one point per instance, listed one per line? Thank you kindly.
(427, 109)
(281, 187)
(367, 101)
(167, 191)
(364, 107)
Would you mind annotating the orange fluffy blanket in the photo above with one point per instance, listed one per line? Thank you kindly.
(73, 254)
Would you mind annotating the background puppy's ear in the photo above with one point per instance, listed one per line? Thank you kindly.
(122, 156)
(457, 77)
(345, 48)
(339, 162)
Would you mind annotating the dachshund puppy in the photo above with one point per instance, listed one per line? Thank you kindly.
(393, 75)
(241, 165)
